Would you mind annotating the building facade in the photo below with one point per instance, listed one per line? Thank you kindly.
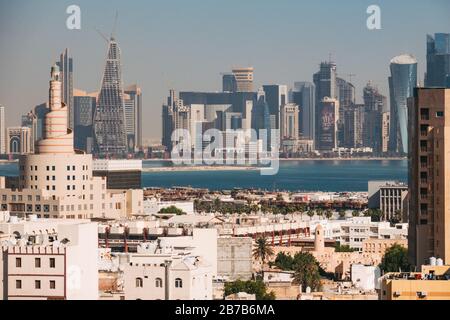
(438, 61)
(244, 79)
(429, 175)
(2, 130)
(19, 140)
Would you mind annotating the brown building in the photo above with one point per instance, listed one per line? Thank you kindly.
(429, 174)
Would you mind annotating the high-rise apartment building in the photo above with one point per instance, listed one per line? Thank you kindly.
(65, 65)
(346, 97)
(29, 120)
(133, 117)
(438, 60)
(304, 95)
(244, 79)
(109, 123)
(402, 81)
(327, 128)
(429, 175)
(353, 126)
(2, 130)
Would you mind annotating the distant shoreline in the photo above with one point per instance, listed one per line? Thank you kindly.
(313, 159)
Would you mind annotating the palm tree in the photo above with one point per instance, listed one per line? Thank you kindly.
(342, 213)
(262, 251)
(310, 213)
(328, 214)
(355, 213)
(319, 212)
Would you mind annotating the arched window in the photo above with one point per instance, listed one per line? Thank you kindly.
(178, 283)
(158, 283)
(139, 283)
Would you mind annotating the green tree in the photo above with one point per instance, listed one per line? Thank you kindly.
(307, 271)
(355, 213)
(319, 212)
(257, 288)
(343, 248)
(172, 210)
(328, 214)
(342, 213)
(262, 251)
(395, 259)
(284, 261)
(310, 213)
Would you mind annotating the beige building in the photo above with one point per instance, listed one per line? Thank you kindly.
(244, 79)
(429, 220)
(289, 121)
(432, 283)
(19, 140)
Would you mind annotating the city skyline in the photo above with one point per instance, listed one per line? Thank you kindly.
(143, 39)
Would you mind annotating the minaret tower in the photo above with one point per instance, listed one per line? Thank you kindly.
(58, 138)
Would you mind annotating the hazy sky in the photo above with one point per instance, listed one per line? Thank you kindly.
(185, 44)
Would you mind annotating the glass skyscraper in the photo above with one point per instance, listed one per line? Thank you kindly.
(402, 81)
(438, 60)
(109, 125)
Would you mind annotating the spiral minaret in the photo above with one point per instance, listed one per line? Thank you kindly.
(58, 138)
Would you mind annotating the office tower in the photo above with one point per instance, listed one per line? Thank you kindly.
(40, 111)
(325, 82)
(328, 112)
(133, 116)
(375, 120)
(229, 83)
(18, 140)
(260, 113)
(109, 123)
(353, 125)
(276, 96)
(438, 61)
(304, 95)
(346, 97)
(84, 109)
(289, 122)
(176, 115)
(402, 81)
(2, 130)
(65, 65)
(429, 175)
(29, 120)
(244, 79)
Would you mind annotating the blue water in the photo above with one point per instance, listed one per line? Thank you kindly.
(308, 175)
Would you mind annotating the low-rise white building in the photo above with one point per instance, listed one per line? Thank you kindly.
(153, 206)
(48, 260)
(364, 277)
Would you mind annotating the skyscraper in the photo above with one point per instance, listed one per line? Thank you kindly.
(327, 124)
(84, 109)
(346, 97)
(244, 79)
(2, 130)
(18, 140)
(29, 120)
(375, 120)
(289, 121)
(229, 82)
(109, 124)
(304, 96)
(402, 81)
(276, 96)
(325, 82)
(353, 124)
(134, 99)
(438, 60)
(65, 65)
(429, 175)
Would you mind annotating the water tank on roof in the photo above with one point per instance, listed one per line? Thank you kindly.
(439, 262)
(432, 261)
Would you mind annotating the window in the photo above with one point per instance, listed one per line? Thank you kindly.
(178, 283)
(158, 283)
(52, 263)
(37, 284)
(139, 283)
(68, 168)
(439, 114)
(53, 168)
(18, 284)
(48, 168)
(37, 262)
(52, 284)
(18, 262)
